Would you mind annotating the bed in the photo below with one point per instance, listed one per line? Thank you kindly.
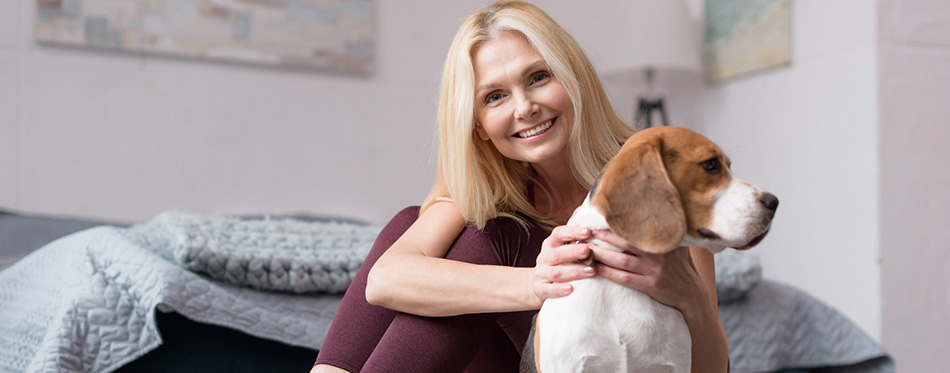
(182, 293)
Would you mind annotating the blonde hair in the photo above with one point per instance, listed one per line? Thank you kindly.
(471, 172)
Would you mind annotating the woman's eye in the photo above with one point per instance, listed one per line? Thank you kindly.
(540, 76)
(711, 166)
(492, 97)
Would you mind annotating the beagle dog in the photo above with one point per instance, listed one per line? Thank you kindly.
(667, 187)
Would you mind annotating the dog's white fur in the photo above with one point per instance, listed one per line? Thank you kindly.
(606, 327)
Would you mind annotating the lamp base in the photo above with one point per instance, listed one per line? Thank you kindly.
(645, 111)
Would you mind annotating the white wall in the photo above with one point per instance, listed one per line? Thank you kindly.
(914, 81)
(808, 133)
(124, 137)
(9, 98)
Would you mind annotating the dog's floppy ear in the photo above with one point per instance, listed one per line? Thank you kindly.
(639, 201)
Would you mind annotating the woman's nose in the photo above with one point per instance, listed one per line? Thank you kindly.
(526, 107)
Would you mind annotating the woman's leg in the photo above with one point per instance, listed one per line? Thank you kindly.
(479, 342)
(370, 338)
(358, 325)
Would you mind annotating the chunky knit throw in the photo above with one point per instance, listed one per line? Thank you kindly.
(271, 254)
(736, 273)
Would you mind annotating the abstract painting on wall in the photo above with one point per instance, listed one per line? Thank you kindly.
(744, 36)
(337, 35)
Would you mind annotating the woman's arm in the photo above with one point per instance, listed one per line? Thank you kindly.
(413, 277)
(684, 279)
(710, 347)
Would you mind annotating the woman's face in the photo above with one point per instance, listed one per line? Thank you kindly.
(519, 105)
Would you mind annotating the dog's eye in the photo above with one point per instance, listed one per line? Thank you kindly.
(711, 166)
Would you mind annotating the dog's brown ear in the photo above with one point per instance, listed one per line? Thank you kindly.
(639, 201)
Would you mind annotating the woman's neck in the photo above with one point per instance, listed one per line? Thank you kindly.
(564, 193)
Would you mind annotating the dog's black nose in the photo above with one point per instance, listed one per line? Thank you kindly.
(770, 201)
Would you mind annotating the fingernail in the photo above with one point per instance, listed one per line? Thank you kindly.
(567, 288)
(589, 270)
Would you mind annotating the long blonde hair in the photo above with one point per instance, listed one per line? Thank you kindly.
(472, 173)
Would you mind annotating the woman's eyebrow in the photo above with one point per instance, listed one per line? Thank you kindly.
(489, 86)
(527, 70)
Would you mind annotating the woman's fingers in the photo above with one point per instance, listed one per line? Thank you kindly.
(557, 264)
(560, 264)
(568, 272)
(615, 240)
(638, 264)
(562, 247)
(553, 281)
(564, 254)
(553, 290)
(622, 277)
(568, 234)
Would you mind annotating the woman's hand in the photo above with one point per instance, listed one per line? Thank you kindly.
(671, 278)
(557, 263)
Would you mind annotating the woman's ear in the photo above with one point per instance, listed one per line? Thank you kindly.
(640, 202)
(482, 134)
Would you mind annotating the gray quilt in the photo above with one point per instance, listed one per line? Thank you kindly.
(775, 327)
(86, 302)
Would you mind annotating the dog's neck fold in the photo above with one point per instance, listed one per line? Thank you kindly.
(587, 216)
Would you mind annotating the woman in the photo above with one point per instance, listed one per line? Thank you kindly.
(524, 128)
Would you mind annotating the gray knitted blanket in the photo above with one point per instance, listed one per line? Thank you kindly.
(86, 302)
(271, 254)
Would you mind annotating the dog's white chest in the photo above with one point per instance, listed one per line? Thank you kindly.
(606, 327)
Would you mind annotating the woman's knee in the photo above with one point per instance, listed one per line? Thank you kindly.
(395, 228)
(401, 222)
(503, 241)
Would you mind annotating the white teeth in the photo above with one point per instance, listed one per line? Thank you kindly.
(536, 130)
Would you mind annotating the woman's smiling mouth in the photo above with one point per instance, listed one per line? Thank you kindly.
(535, 130)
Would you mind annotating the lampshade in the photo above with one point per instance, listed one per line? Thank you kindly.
(658, 35)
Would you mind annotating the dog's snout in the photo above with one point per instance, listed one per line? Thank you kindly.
(770, 201)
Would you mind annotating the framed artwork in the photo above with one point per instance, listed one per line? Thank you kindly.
(338, 35)
(744, 36)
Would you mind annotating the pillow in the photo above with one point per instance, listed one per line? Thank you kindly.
(283, 254)
(736, 273)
